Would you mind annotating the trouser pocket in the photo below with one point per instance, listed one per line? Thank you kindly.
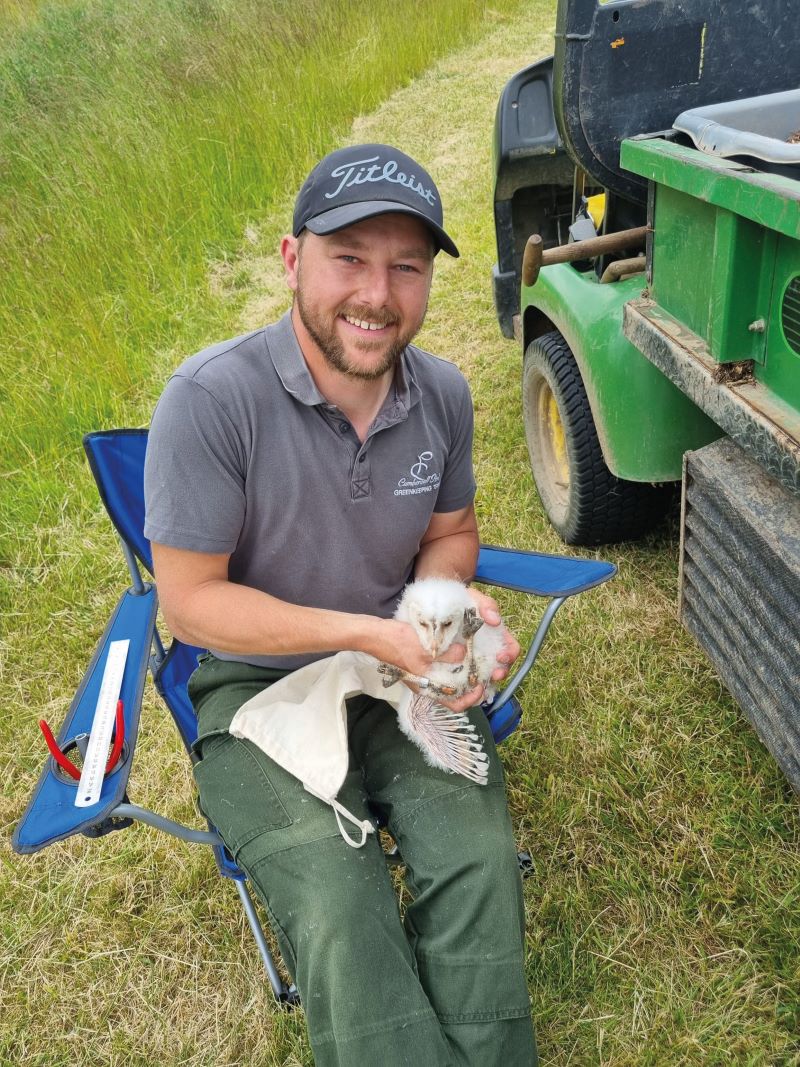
(235, 791)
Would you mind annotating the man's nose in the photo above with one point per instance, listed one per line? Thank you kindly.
(376, 287)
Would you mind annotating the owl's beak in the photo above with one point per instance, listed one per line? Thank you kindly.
(436, 641)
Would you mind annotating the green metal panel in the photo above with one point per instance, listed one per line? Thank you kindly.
(683, 254)
(767, 199)
(644, 422)
(712, 269)
(781, 374)
(726, 248)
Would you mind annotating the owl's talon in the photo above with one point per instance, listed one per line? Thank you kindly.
(391, 674)
(472, 622)
(443, 690)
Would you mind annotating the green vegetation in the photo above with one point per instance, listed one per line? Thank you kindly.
(136, 142)
(663, 913)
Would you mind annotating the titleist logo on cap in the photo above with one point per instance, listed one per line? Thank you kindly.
(359, 171)
(360, 182)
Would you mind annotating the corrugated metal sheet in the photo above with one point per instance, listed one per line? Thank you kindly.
(740, 589)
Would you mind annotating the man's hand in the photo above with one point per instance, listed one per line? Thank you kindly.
(490, 613)
(400, 646)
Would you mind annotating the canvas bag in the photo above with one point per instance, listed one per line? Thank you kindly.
(300, 722)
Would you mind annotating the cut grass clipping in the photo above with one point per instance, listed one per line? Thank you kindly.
(662, 916)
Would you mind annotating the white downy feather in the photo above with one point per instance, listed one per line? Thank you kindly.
(435, 608)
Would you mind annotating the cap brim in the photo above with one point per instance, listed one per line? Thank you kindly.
(347, 214)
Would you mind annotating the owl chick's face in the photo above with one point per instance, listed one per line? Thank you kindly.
(436, 633)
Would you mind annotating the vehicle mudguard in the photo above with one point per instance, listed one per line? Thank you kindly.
(644, 423)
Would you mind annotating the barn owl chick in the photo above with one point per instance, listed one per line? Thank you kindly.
(443, 613)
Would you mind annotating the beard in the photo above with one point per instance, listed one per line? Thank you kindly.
(323, 332)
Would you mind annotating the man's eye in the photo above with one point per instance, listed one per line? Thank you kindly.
(349, 259)
(407, 268)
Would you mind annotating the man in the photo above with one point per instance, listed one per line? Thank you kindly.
(296, 479)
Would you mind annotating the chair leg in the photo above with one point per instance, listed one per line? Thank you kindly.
(503, 695)
(287, 996)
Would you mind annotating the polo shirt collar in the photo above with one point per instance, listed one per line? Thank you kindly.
(290, 365)
(287, 358)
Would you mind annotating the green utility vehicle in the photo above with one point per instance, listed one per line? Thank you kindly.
(647, 209)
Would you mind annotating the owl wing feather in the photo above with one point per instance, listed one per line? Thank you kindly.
(447, 739)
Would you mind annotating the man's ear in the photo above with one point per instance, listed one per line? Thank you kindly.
(290, 254)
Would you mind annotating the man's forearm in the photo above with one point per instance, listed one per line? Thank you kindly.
(453, 556)
(239, 619)
(244, 621)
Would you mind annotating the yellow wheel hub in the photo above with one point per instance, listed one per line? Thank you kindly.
(554, 429)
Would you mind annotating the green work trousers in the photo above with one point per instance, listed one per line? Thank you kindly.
(445, 985)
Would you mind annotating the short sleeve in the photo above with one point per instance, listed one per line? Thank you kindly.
(457, 488)
(194, 472)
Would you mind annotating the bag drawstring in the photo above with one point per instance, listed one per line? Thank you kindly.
(366, 826)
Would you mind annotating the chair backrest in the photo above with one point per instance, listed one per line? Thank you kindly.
(116, 458)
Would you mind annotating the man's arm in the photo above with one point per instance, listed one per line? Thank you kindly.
(202, 607)
(449, 549)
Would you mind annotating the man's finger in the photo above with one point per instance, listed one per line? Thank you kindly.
(468, 700)
(489, 611)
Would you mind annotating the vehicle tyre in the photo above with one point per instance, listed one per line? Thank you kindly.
(583, 500)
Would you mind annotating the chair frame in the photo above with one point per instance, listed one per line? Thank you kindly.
(114, 810)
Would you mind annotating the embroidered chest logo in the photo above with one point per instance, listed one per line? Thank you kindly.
(422, 480)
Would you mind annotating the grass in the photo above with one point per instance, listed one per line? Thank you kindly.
(136, 143)
(663, 917)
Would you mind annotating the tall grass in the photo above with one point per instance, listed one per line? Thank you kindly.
(136, 141)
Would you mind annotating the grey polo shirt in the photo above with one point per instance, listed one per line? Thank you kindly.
(245, 456)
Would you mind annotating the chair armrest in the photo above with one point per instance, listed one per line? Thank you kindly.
(51, 814)
(538, 574)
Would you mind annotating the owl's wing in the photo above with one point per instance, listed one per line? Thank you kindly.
(446, 738)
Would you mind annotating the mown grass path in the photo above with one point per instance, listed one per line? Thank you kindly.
(662, 918)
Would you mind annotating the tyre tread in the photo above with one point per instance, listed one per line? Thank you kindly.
(603, 509)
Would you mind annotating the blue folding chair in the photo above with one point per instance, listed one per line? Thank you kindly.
(116, 458)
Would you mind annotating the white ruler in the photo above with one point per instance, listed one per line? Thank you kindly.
(94, 765)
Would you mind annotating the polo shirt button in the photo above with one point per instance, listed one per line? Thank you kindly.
(342, 427)
(362, 457)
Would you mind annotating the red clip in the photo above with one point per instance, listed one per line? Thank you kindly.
(66, 764)
(119, 737)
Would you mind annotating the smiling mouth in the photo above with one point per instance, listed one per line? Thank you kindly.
(366, 325)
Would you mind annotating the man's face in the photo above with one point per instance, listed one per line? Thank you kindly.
(362, 293)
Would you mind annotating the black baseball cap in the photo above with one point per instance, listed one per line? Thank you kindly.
(359, 182)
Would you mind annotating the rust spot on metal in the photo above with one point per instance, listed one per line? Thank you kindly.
(732, 373)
